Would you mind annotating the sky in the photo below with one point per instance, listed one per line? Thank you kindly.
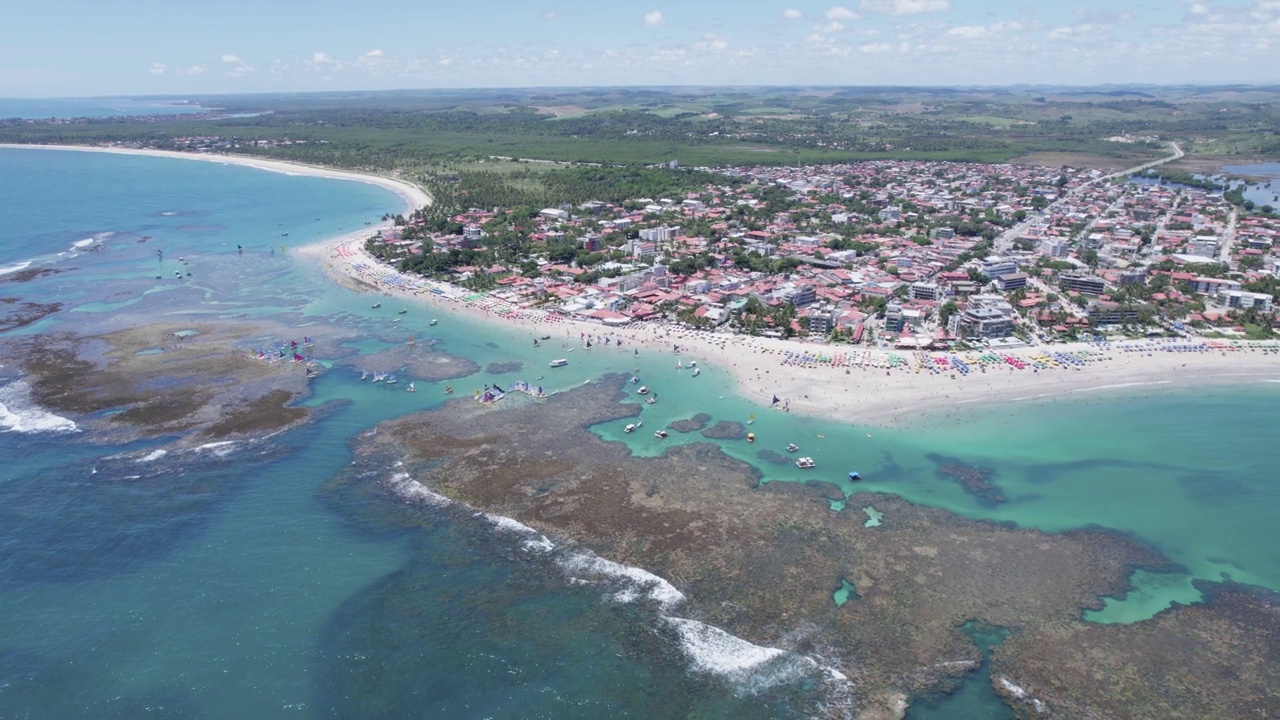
(65, 48)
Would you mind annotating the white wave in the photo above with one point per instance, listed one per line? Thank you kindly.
(1021, 694)
(19, 414)
(713, 650)
(83, 243)
(749, 667)
(585, 565)
(535, 540)
(15, 268)
(153, 456)
(221, 449)
(410, 489)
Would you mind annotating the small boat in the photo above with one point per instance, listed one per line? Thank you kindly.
(652, 400)
(855, 475)
(634, 380)
(697, 372)
(751, 437)
(411, 388)
(629, 428)
(402, 311)
(793, 447)
(805, 463)
(644, 390)
(561, 362)
(546, 337)
(661, 434)
(448, 389)
(434, 321)
(377, 305)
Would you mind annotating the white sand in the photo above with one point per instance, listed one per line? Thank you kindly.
(865, 394)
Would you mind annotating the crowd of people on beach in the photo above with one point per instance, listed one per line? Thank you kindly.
(796, 354)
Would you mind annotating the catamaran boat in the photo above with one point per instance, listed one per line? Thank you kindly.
(805, 463)
(793, 447)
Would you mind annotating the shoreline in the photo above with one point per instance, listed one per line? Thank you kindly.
(411, 195)
(867, 393)
(863, 388)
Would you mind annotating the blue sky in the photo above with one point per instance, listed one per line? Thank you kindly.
(61, 48)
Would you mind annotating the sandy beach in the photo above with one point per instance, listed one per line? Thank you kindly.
(867, 386)
(847, 383)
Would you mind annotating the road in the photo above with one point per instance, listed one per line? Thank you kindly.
(1005, 240)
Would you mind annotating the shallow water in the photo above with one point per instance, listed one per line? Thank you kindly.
(231, 582)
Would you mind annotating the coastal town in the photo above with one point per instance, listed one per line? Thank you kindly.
(910, 255)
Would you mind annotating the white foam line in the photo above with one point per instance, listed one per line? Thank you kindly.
(152, 456)
(713, 650)
(15, 268)
(19, 414)
(642, 583)
(410, 489)
(1121, 385)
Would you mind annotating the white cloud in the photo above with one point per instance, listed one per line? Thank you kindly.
(157, 68)
(971, 32)
(654, 19)
(840, 13)
(876, 49)
(241, 70)
(371, 58)
(549, 15)
(792, 14)
(193, 70)
(711, 41)
(829, 28)
(905, 7)
(231, 60)
(321, 58)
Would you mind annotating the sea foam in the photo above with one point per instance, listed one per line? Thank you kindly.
(5, 270)
(639, 582)
(19, 414)
(153, 456)
(752, 668)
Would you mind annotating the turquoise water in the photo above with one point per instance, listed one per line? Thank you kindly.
(233, 585)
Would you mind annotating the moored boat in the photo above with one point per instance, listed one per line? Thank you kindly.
(560, 362)
(629, 428)
(805, 463)
(644, 390)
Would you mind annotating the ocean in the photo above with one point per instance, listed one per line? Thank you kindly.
(228, 581)
(95, 107)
